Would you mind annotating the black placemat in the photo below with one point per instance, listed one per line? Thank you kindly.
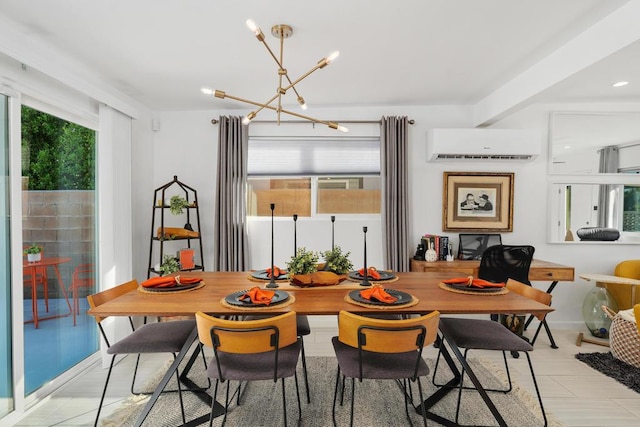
(403, 297)
(234, 299)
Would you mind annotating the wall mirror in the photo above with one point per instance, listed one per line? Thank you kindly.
(612, 204)
(594, 142)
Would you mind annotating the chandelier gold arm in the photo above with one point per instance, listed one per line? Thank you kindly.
(333, 125)
(282, 32)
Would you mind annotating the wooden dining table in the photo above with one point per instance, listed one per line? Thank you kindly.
(323, 300)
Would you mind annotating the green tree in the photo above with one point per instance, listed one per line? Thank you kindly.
(56, 154)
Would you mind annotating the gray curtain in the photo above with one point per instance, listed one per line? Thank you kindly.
(395, 194)
(608, 164)
(231, 252)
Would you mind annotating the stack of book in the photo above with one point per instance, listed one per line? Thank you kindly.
(439, 243)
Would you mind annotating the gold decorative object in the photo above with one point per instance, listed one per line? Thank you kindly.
(281, 31)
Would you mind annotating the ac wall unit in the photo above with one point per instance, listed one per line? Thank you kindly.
(483, 144)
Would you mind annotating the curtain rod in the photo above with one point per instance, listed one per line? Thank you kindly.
(411, 121)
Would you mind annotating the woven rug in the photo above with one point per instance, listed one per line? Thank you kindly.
(610, 366)
(378, 403)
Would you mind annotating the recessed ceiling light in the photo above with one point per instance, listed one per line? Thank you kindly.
(620, 84)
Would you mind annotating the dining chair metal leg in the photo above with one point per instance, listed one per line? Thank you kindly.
(104, 390)
(284, 403)
(335, 397)
(535, 384)
(423, 410)
(304, 369)
(213, 403)
(184, 419)
(353, 399)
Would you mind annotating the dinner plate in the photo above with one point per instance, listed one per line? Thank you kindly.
(262, 275)
(174, 288)
(463, 287)
(403, 297)
(234, 299)
(384, 275)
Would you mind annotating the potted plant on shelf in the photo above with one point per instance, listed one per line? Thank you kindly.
(336, 261)
(177, 205)
(169, 265)
(34, 253)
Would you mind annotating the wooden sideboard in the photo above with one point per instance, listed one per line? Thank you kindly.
(540, 271)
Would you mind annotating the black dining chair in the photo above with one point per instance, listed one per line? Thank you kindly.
(502, 262)
(480, 334)
(371, 348)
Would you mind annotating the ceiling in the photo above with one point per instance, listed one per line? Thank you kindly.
(401, 52)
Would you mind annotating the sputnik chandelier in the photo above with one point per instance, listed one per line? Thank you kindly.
(281, 31)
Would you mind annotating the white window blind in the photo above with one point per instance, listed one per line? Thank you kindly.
(310, 156)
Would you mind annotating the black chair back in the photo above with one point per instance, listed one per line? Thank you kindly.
(500, 263)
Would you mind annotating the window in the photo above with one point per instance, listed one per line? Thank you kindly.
(313, 175)
(631, 204)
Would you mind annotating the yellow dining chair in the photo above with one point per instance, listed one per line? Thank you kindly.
(251, 350)
(163, 337)
(373, 348)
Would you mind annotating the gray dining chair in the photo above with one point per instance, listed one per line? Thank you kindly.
(162, 337)
(482, 334)
(370, 348)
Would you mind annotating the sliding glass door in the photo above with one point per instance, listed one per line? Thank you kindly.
(6, 378)
(59, 224)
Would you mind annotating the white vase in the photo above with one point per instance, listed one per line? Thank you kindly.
(34, 257)
(431, 255)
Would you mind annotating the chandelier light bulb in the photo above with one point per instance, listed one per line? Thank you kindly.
(247, 119)
(252, 26)
(333, 56)
(302, 103)
(207, 91)
(343, 128)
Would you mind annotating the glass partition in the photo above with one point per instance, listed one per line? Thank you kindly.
(59, 218)
(6, 378)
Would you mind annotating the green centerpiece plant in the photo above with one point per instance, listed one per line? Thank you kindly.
(304, 262)
(336, 261)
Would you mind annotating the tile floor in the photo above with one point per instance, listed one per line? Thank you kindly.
(574, 393)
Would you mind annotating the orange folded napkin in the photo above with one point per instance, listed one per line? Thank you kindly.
(188, 280)
(258, 296)
(371, 272)
(276, 270)
(377, 292)
(159, 282)
(473, 283)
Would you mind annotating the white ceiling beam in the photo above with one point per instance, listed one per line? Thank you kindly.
(614, 32)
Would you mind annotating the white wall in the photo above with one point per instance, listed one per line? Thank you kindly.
(185, 146)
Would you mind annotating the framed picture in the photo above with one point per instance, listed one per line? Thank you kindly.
(477, 201)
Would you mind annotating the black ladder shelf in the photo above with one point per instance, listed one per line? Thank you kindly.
(160, 206)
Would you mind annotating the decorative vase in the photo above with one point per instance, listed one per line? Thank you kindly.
(34, 257)
(431, 255)
(594, 316)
